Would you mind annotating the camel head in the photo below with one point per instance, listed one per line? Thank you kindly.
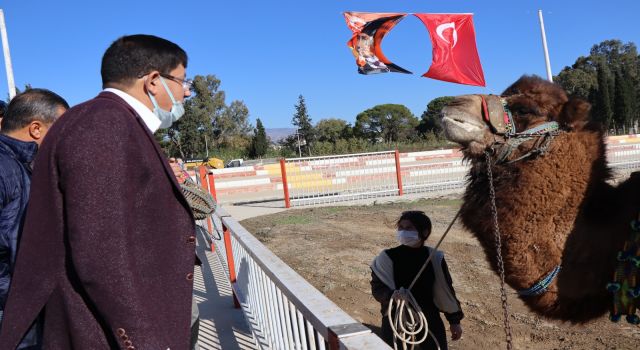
(479, 122)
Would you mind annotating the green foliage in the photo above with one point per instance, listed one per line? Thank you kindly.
(332, 130)
(357, 145)
(232, 128)
(208, 123)
(259, 141)
(190, 135)
(386, 124)
(302, 121)
(430, 119)
(609, 78)
(602, 101)
(622, 101)
(580, 79)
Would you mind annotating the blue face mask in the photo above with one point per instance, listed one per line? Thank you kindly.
(167, 118)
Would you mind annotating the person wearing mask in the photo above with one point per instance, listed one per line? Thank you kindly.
(397, 267)
(107, 250)
(24, 125)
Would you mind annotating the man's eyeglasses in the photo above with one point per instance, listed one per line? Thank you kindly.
(186, 83)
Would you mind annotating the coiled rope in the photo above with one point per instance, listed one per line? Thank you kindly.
(409, 320)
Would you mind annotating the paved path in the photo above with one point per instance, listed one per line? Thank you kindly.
(221, 325)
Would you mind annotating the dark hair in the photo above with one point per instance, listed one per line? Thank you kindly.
(420, 221)
(131, 57)
(33, 104)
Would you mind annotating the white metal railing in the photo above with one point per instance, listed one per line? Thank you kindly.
(624, 158)
(327, 179)
(282, 308)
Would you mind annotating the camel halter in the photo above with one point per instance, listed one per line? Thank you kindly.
(497, 115)
(409, 319)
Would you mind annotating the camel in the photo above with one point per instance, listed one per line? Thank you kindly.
(555, 206)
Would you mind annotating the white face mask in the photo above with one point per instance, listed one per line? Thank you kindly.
(409, 238)
(167, 118)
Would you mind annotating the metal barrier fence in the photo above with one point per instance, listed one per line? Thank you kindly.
(357, 176)
(349, 177)
(317, 180)
(624, 158)
(282, 308)
(329, 179)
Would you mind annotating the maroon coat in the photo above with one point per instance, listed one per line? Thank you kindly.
(107, 249)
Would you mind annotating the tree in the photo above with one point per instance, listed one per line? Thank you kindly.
(302, 121)
(579, 79)
(430, 119)
(602, 111)
(332, 130)
(259, 141)
(386, 123)
(194, 130)
(232, 127)
(609, 78)
(622, 113)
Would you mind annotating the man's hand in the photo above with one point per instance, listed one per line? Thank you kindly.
(456, 331)
(177, 171)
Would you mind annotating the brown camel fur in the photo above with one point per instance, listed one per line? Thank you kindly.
(553, 209)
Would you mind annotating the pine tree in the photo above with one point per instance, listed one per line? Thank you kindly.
(622, 107)
(259, 141)
(302, 121)
(602, 110)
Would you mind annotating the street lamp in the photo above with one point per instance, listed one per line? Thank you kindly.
(299, 150)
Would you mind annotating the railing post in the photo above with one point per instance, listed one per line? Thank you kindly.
(202, 170)
(342, 331)
(398, 173)
(212, 187)
(285, 185)
(230, 263)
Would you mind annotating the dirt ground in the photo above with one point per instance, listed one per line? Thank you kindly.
(332, 247)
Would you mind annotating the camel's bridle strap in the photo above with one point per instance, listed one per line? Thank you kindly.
(498, 117)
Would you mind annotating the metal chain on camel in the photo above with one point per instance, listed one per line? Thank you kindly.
(409, 319)
(496, 228)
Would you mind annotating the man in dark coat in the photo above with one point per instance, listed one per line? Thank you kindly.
(107, 251)
(28, 118)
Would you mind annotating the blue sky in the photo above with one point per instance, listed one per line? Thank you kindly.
(266, 53)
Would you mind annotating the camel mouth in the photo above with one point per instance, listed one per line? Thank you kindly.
(463, 130)
(461, 123)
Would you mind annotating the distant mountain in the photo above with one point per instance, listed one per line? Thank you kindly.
(277, 134)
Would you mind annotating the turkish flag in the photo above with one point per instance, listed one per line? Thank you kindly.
(455, 56)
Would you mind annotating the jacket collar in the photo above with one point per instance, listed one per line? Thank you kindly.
(22, 151)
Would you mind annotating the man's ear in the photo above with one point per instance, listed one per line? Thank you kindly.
(36, 130)
(152, 82)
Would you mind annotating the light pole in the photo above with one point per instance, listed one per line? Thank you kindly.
(7, 56)
(206, 144)
(544, 47)
(299, 150)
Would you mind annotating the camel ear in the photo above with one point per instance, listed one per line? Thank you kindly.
(575, 114)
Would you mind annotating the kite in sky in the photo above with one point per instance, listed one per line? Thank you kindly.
(455, 55)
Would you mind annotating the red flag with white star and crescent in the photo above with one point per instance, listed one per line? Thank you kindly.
(455, 55)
